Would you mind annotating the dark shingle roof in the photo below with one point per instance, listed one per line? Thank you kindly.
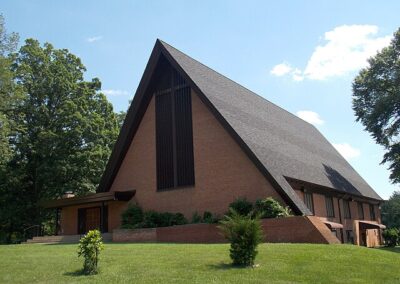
(286, 145)
(279, 143)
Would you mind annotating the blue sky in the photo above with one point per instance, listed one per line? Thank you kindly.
(301, 55)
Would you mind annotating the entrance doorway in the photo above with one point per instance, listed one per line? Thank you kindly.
(92, 218)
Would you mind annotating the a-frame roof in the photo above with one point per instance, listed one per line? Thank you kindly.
(279, 143)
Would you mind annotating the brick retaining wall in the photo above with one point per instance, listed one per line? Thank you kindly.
(297, 229)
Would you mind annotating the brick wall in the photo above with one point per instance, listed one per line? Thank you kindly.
(297, 229)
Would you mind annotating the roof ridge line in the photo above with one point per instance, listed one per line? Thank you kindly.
(254, 93)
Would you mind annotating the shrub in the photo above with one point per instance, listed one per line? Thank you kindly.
(241, 206)
(210, 218)
(270, 208)
(153, 219)
(90, 246)
(196, 218)
(244, 234)
(392, 237)
(131, 217)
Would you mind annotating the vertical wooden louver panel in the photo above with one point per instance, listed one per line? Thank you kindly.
(164, 141)
(184, 137)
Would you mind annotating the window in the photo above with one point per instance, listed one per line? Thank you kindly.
(360, 211)
(308, 199)
(372, 212)
(174, 136)
(349, 237)
(330, 211)
(346, 209)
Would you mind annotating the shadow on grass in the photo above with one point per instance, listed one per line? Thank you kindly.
(391, 249)
(78, 272)
(226, 266)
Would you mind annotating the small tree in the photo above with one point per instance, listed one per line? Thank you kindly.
(89, 247)
(245, 234)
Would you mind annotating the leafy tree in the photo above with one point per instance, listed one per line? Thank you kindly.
(376, 102)
(89, 247)
(8, 94)
(66, 129)
(391, 211)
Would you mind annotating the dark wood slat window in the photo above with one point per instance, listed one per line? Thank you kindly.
(346, 209)
(308, 199)
(330, 211)
(360, 211)
(372, 212)
(164, 141)
(174, 135)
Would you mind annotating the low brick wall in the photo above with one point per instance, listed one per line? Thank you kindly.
(137, 235)
(297, 229)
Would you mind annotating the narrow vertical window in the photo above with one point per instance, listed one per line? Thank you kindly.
(360, 211)
(308, 199)
(330, 211)
(372, 212)
(174, 134)
(346, 208)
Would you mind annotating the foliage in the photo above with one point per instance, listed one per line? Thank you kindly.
(131, 217)
(391, 211)
(270, 208)
(210, 218)
(63, 133)
(90, 246)
(241, 206)
(244, 234)
(392, 237)
(196, 218)
(376, 102)
(134, 217)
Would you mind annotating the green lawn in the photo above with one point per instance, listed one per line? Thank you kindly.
(183, 263)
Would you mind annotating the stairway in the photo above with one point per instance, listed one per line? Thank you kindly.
(67, 239)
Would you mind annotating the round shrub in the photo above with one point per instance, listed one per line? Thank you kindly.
(392, 237)
(241, 206)
(131, 217)
(270, 208)
(244, 234)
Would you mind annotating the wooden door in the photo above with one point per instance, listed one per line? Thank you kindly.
(93, 219)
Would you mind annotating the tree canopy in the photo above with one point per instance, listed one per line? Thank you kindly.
(391, 211)
(64, 133)
(376, 102)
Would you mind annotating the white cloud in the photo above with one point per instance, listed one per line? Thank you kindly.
(115, 93)
(310, 117)
(94, 38)
(345, 49)
(281, 69)
(346, 150)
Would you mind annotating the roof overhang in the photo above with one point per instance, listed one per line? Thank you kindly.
(371, 225)
(333, 225)
(88, 199)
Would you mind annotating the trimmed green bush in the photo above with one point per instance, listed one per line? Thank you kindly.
(131, 217)
(392, 237)
(270, 208)
(90, 246)
(196, 218)
(241, 206)
(244, 234)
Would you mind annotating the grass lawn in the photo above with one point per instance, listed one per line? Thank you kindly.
(184, 263)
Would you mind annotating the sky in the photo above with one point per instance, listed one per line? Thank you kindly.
(300, 55)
